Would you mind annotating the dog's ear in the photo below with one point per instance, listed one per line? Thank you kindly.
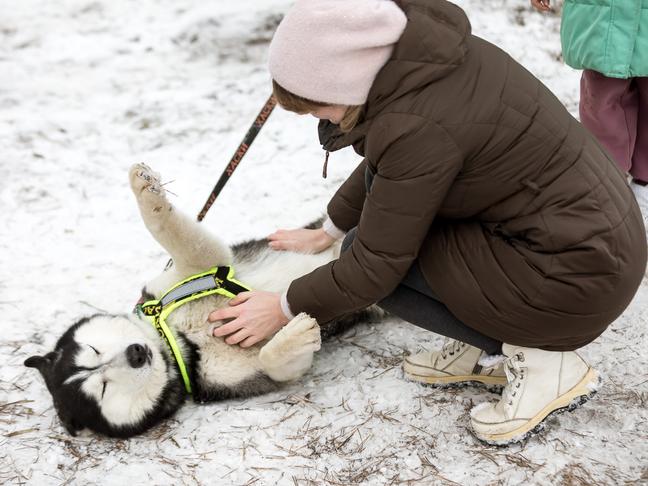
(45, 365)
(41, 363)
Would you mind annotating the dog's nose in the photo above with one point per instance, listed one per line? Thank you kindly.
(137, 355)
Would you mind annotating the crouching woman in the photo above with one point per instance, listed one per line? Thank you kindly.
(482, 211)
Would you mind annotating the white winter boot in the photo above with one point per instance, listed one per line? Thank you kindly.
(457, 362)
(539, 383)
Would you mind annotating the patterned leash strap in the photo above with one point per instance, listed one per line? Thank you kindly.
(239, 154)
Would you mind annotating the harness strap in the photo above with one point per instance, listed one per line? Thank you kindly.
(217, 280)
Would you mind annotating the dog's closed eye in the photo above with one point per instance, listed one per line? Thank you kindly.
(94, 349)
(103, 391)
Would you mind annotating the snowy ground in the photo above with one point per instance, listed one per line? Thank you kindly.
(89, 87)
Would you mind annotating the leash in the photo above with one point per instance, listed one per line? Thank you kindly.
(217, 280)
(254, 130)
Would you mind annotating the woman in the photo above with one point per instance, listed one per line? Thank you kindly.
(482, 210)
(609, 41)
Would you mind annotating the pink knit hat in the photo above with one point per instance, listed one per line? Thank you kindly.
(331, 50)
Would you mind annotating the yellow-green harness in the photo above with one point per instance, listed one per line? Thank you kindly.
(217, 280)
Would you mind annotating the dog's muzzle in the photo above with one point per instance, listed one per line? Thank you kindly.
(138, 355)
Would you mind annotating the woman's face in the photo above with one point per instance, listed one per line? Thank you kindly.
(332, 113)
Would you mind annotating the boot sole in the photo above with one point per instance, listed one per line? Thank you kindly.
(568, 402)
(457, 380)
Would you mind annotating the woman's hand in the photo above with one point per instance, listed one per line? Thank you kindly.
(541, 5)
(257, 315)
(301, 240)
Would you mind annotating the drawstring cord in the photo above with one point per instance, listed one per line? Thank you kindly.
(325, 164)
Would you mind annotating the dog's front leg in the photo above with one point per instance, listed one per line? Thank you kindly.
(192, 248)
(289, 354)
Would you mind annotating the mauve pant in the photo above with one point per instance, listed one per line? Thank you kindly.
(616, 112)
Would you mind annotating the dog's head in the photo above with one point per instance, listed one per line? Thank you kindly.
(111, 375)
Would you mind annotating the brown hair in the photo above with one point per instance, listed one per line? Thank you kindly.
(297, 104)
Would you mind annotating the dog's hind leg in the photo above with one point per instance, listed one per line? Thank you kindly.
(289, 354)
(192, 248)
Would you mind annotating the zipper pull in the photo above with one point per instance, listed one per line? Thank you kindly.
(325, 164)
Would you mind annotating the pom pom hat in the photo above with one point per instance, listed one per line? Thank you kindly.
(330, 51)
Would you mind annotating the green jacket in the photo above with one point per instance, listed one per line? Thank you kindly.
(608, 36)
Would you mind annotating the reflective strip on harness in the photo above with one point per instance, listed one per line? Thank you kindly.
(201, 284)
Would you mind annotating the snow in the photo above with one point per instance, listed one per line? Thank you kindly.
(89, 87)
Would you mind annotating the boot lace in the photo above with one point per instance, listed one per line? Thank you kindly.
(515, 374)
(451, 347)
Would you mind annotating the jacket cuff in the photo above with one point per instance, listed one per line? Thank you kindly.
(333, 231)
(285, 307)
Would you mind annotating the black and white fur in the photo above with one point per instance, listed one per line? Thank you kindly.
(114, 375)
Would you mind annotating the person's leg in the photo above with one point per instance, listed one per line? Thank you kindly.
(608, 109)
(430, 314)
(639, 168)
(415, 302)
(460, 360)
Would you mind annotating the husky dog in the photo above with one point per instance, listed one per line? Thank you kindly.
(115, 375)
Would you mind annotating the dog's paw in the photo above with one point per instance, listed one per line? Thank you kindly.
(301, 336)
(304, 332)
(143, 178)
(147, 187)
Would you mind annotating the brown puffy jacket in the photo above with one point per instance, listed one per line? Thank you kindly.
(522, 225)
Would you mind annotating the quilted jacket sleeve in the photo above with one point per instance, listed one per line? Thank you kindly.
(415, 164)
(346, 204)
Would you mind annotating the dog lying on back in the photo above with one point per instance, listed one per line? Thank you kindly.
(116, 375)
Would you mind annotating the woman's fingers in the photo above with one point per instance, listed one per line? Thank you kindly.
(281, 240)
(249, 341)
(300, 240)
(240, 298)
(288, 234)
(278, 234)
(237, 337)
(230, 328)
(224, 313)
(283, 245)
(256, 319)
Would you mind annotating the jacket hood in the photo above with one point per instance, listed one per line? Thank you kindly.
(433, 45)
